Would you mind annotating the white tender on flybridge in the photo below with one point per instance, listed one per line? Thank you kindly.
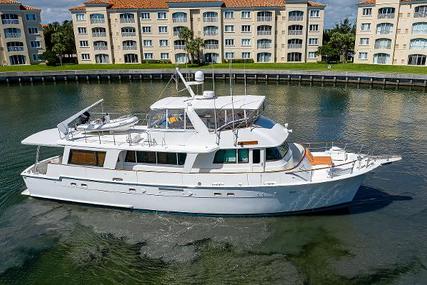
(202, 154)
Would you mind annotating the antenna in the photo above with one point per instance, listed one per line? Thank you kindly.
(231, 91)
(213, 75)
(244, 76)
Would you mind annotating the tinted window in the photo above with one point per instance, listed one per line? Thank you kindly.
(166, 158)
(256, 156)
(181, 158)
(276, 153)
(86, 157)
(243, 155)
(225, 156)
(146, 156)
(130, 156)
(152, 157)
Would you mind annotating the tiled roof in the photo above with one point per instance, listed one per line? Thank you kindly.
(8, 2)
(373, 2)
(24, 7)
(163, 4)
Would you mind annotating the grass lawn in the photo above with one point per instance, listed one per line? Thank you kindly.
(270, 66)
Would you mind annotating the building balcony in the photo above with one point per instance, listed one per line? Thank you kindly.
(264, 33)
(100, 47)
(131, 47)
(127, 20)
(384, 32)
(295, 32)
(97, 20)
(382, 46)
(179, 47)
(210, 33)
(264, 18)
(294, 46)
(179, 20)
(99, 34)
(15, 48)
(420, 15)
(10, 21)
(12, 35)
(296, 18)
(386, 16)
(211, 46)
(128, 34)
(210, 19)
(264, 46)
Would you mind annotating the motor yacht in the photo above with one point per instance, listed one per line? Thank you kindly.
(199, 154)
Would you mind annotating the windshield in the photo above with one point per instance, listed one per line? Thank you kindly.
(227, 119)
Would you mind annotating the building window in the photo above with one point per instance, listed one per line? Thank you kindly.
(229, 42)
(33, 31)
(17, 59)
(36, 57)
(30, 17)
(228, 14)
(163, 29)
(314, 13)
(86, 157)
(85, 56)
(246, 14)
(82, 30)
(164, 55)
(264, 57)
(246, 28)
(363, 55)
(381, 58)
(313, 41)
(148, 55)
(35, 44)
(418, 44)
(312, 55)
(365, 27)
(420, 11)
(163, 43)
(367, 11)
(314, 28)
(146, 29)
(384, 28)
(84, 44)
(246, 42)
(131, 58)
(417, 59)
(364, 41)
(161, 15)
(148, 43)
(80, 17)
(294, 57)
(383, 44)
(145, 16)
(419, 28)
(246, 55)
(229, 55)
(229, 28)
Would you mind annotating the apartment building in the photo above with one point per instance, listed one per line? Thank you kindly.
(21, 34)
(131, 31)
(391, 32)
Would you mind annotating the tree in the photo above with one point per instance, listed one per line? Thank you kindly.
(59, 39)
(193, 46)
(338, 43)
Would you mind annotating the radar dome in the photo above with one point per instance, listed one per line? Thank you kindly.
(199, 76)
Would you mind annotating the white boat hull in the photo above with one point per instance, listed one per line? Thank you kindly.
(265, 200)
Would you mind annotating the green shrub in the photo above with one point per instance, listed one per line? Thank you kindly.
(162, 61)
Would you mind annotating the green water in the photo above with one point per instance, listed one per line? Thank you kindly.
(380, 240)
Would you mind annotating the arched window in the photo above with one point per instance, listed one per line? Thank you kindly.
(295, 43)
(131, 58)
(181, 58)
(294, 57)
(210, 31)
(419, 28)
(265, 16)
(99, 32)
(17, 59)
(179, 44)
(264, 43)
(97, 18)
(296, 15)
(179, 17)
(15, 46)
(129, 45)
(264, 30)
(386, 13)
(211, 57)
(381, 58)
(384, 28)
(210, 17)
(128, 31)
(383, 43)
(418, 44)
(127, 18)
(264, 57)
(177, 30)
(102, 58)
(9, 19)
(420, 11)
(417, 59)
(12, 33)
(295, 30)
(211, 44)
(100, 45)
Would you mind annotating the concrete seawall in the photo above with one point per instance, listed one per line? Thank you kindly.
(384, 79)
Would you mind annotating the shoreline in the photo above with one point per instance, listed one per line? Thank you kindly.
(329, 76)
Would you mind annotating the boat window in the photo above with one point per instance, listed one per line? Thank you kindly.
(256, 156)
(227, 119)
(208, 117)
(276, 153)
(169, 119)
(146, 156)
(86, 157)
(166, 158)
(130, 156)
(175, 119)
(225, 156)
(157, 119)
(243, 155)
(181, 158)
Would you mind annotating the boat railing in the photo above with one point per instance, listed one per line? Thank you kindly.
(326, 146)
(40, 167)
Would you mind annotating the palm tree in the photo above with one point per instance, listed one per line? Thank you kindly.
(193, 47)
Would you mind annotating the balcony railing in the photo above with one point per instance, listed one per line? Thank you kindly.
(384, 32)
(179, 46)
(128, 34)
(101, 47)
(296, 18)
(264, 18)
(210, 19)
(179, 19)
(127, 20)
(97, 20)
(381, 46)
(264, 32)
(295, 32)
(15, 48)
(211, 46)
(386, 16)
(420, 14)
(210, 33)
(292, 46)
(10, 21)
(99, 34)
(130, 47)
(263, 45)
(12, 35)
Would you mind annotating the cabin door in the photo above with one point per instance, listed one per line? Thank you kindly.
(257, 160)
